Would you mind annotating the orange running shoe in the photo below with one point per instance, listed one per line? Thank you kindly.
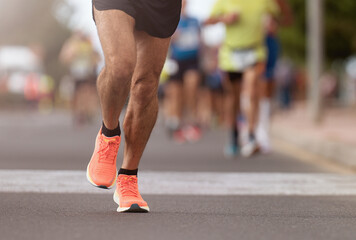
(127, 195)
(101, 170)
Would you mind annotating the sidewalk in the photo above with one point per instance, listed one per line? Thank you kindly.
(333, 140)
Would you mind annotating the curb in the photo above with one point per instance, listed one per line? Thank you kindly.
(335, 155)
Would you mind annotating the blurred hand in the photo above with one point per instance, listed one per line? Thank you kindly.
(231, 18)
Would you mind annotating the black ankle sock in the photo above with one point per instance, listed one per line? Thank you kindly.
(235, 136)
(251, 136)
(128, 172)
(109, 132)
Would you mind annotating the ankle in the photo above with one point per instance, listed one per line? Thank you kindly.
(128, 172)
(111, 132)
(251, 136)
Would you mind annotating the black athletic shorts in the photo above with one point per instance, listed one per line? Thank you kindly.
(183, 67)
(159, 18)
(235, 76)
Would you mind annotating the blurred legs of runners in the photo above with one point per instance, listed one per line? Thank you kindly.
(211, 103)
(182, 107)
(133, 63)
(85, 102)
(79, 54)
(173, 103)
(242, 90)
(267, 91)
(252, 82)
(232, 86)
(183, 86)
(192, 82)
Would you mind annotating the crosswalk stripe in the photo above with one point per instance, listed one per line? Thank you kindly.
(186, 183)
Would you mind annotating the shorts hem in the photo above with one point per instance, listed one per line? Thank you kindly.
(131, 13)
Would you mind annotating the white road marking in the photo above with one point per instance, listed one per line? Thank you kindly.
(185, 183)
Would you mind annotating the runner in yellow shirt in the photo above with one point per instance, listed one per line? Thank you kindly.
(242, 56)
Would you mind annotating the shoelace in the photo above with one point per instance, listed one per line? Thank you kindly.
(108, 151)
(128, 187)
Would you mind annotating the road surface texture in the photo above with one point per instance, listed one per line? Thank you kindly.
(192, 190)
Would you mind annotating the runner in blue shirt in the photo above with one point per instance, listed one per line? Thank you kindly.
(184, 50)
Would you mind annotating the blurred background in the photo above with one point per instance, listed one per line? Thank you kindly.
(301, 185)
(50, 56)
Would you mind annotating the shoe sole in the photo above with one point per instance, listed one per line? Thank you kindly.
(134, 208)
(99, 186)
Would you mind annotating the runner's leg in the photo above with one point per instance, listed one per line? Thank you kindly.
(252, 79)
(116, 33)
(191, 83)
(175, 104)
(233, 91)
(236, 111)
(262, 132)
(143, 105)
(252, 85)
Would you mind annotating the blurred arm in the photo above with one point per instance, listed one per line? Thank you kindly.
(227, 19)
(286, 17)
(221, 13)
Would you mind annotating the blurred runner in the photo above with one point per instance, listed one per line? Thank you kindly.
(135, 37)
(273, 50)
(212, 103)
(182, 89)
(242, 56)
(285, 79)
(79, 54)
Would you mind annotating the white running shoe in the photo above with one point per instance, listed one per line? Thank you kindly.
(249, 149)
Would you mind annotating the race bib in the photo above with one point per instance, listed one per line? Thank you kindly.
(189, 39)
(242, 59)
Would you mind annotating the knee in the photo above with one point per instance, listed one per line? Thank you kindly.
(119, 70)
(145, 88)
(252, 91)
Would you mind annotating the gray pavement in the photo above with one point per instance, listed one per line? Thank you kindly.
(32, 142)
(55, 216)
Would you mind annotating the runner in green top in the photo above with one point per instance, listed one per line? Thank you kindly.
(242, 56)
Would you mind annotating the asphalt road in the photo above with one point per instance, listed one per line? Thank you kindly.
(50, 143)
